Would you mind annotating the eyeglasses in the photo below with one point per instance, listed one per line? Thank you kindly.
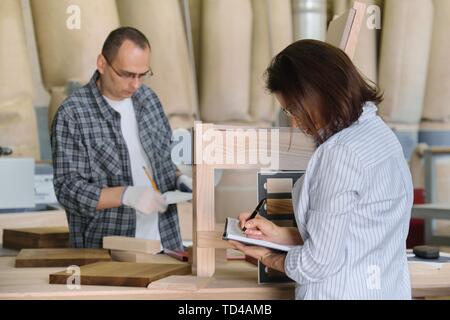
(130, 76)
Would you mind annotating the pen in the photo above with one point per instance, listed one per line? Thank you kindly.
(150, 178)
(255, 212)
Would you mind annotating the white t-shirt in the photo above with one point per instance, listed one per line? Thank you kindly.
(146, 224)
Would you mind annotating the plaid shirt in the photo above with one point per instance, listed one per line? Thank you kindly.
(89, 154)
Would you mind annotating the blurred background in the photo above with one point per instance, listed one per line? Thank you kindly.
(209, 57)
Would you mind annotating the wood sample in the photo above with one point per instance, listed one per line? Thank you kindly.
(279, 206)
(46, 258)
(35, 238)
(126, 274)
(279, 185)
(132, 244)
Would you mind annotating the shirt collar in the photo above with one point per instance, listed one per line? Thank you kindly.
(105, 109)
(138, 97)
(370, 111)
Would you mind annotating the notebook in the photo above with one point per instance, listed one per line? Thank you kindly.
(234, 232)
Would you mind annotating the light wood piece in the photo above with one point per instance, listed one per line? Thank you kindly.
(122, 273)
(47, 258)
(344, 31)
(131, 244)
(137, 257)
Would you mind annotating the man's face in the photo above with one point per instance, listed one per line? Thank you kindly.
(123, 76)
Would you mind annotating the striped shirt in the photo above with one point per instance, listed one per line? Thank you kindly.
(353, 211)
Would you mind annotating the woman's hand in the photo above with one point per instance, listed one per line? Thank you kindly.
(252, 251)
(268, 257)
(263, 229)
(259, 228)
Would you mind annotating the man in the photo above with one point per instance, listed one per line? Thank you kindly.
(110, 139)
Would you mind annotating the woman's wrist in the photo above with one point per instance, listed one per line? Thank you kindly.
(273, 260)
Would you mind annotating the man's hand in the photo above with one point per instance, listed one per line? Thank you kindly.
(184, 183)
(144, 200)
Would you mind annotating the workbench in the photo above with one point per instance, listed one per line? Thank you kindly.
(234, 280)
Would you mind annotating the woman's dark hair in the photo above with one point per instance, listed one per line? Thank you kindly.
(316, 77)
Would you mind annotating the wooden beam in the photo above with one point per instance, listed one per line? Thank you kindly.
(243, 148)
(211, 239)
(203, 208)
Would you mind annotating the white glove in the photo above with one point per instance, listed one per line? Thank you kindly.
(184, 183)
(144, 200)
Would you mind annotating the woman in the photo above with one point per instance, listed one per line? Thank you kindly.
(353, 206)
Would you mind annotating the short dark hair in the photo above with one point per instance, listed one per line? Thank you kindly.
(116, 38)
(317, 74)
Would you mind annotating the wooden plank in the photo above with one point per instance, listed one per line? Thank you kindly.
(126, 274)
(54, 218)
(339, 29)
(429, 280)
(132, 244)
(183, 283)
(352, 42)
(137, 257)
(279, 206)
(344, 31)
(203, 206)
(45, 237)
(40, 258)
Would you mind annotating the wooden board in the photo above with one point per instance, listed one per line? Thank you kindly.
(18, 220)
(137, 257)
(35, 238)
(40, 258)
(132, 244)
(344, 31)
(126, 274)
(279, 206)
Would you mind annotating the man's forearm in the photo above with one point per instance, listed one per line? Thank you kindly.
(110, 198)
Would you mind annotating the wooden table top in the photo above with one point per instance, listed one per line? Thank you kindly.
(235, 280)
